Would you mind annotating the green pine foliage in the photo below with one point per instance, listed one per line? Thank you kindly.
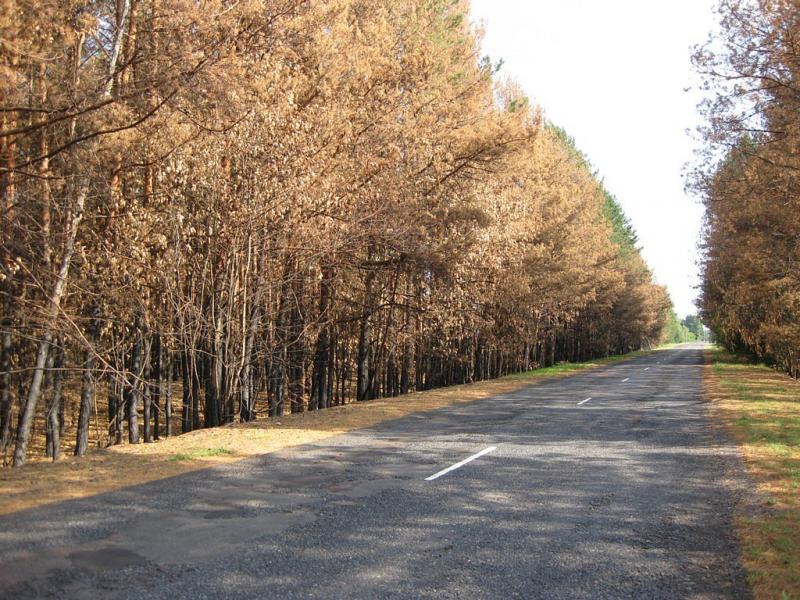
(677, 332)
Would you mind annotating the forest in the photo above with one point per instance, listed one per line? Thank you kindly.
(679, 331)
(749, 177)
(220, 211)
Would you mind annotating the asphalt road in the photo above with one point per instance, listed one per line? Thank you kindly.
(626, 495)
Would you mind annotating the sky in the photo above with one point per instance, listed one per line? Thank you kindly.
(614, 74)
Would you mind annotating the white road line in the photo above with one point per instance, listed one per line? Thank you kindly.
(626, 379)
(461, 464)
(583, 401)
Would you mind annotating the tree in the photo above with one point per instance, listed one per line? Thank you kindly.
(748, 179)
(279, 205)
(695, 326)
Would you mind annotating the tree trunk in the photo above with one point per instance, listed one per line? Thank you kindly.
(247, 404)
(331, 366)
(186, 415)
(147, 397)
(168, 402)
(87, 396)
(158, 377)
(363, 367)
(363, 389)
(51, 317)
(296, 350)
(195, 395)
(214, 387)
(6, 349)
(55, 409)
(321, 356)
(135, 389)
(277, 367)
(405, 368)
(115, 407)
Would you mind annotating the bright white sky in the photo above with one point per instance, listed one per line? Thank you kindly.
(613, 74)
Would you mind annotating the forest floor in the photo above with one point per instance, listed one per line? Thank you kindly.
(761, 409)
(104, 470)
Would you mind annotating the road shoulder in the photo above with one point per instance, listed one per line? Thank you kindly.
(760, 409)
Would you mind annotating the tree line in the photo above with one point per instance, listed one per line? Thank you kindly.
(749, 178)
(679, 331)
(217, 211)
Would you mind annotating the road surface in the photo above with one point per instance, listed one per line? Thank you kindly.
(606, 484)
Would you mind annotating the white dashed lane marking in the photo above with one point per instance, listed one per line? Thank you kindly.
(458, 465)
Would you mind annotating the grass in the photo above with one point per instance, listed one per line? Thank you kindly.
(762, 410)
(201, 453)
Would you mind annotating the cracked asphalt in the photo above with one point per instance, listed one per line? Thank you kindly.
(628, 495)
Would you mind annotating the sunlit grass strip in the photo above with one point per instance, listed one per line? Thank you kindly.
(201, 453)
(762, 409)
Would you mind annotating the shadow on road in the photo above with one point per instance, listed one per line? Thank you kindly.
(629, 495)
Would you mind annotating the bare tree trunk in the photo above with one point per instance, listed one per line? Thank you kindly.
(168, 402)
(247, 407)
(51, 317)
(135, 392)
(87, 401)
(47, 386)
(123, 8)
(87, 394)
(320, 398)
(6, 398)
(405, 367)
(113, 407)
(214, 376)
(194, 366)
(363, 388)
(187, 375)
(278, 362)
(331, 366)
(147, 391)
(362, 369)
(158, 377)
(296, 350)
(55, 410)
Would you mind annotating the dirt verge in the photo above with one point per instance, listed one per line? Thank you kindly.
(760, 409)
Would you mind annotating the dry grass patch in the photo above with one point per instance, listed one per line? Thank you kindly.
(761, 408)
